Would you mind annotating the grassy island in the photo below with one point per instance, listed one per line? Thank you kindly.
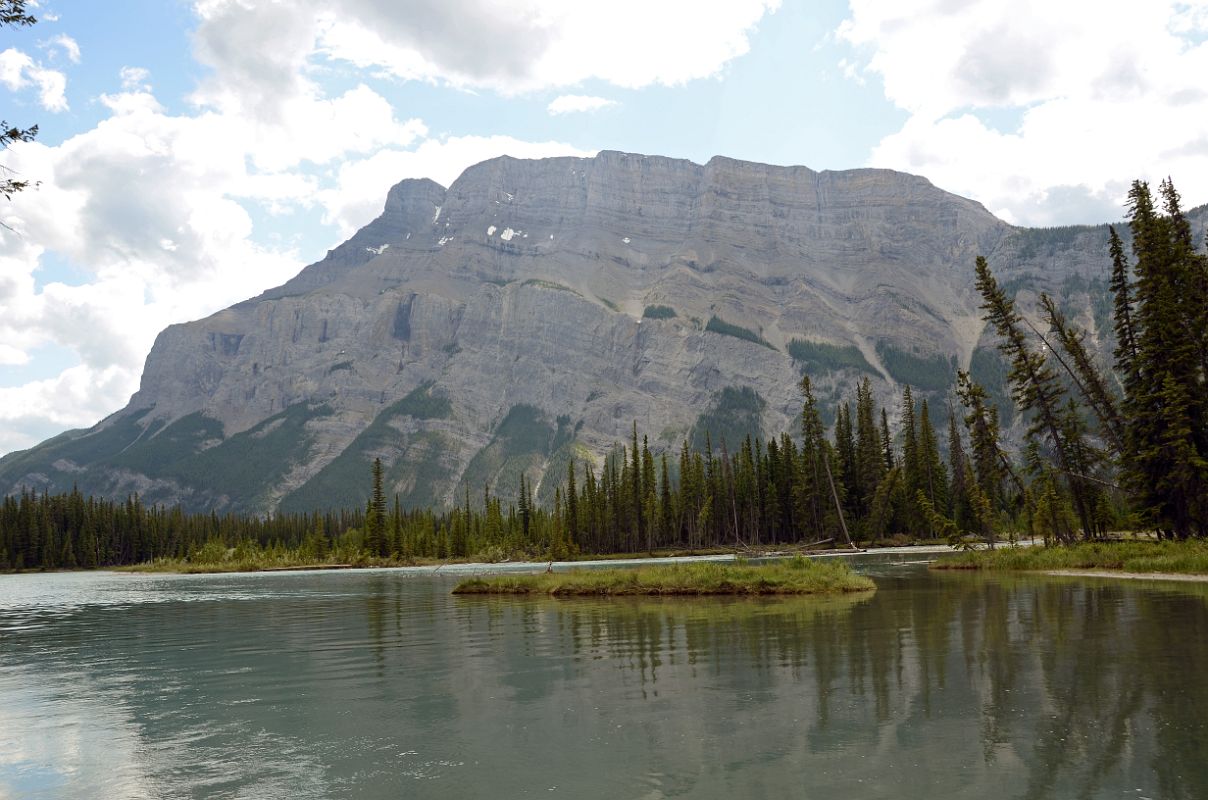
(796, 576)
(1136, 556)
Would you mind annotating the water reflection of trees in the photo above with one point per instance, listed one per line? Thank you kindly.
(1063, 688)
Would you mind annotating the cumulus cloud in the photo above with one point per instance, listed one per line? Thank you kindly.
(1097, 92)
(574, 103)
(19, 71)
(522, 46)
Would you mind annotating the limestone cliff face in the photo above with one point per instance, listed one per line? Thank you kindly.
(530, 313)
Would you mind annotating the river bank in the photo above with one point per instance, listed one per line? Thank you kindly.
(1134, 559)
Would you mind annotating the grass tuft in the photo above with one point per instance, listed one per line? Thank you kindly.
(1189, 558)
(795, 576)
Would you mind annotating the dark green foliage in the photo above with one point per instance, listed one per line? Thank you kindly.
(735, 414)
(815, 357)
(1162, 356)
(543, 284)
(170, 446)
(718, 325)
(420, 403)
(988, 369)
(929, 373)
(557, 462)
(524, 440)
(248, 461)
(985, 472)
(376, 541)
(1040, 396)
(659, 312)
(341, 365)
(341, 483)
(1098, 297)
(191, 452)
(1040, 242)
(1085, 374)
(73, 530)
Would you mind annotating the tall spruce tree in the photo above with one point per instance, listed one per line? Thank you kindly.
(870, 455)
(1165, 369)
(375, 515)
(886, 441)
(1035, 388)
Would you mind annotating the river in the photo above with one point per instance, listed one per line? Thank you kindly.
(379, 683)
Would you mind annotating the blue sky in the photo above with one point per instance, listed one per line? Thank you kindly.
(195, 152)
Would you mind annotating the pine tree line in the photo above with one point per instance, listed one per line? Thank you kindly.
(1136, 433)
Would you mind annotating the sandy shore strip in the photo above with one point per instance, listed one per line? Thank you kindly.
(1133, 576)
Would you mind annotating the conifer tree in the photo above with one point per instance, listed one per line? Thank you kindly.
(1035, 388)
(886, 441)
(870, 455)
(375, 515)
(1087, 376)
(572, 504)
(933, 477)
(667, 531)
(649, 495)
(962, 510)
(848, 473)
(635, 486)
(1169, 366)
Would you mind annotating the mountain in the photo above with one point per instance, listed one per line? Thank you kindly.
(532, 311)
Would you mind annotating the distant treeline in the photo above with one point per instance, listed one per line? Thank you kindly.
(45, 531)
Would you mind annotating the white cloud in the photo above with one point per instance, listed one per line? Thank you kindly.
(573, 103)
(12, 356)
(1094, 93)
(135, 79)
(65, 44)
(18, 71)
(523, 46)
(76, 398)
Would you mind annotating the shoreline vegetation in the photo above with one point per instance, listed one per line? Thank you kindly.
(796, 576)
(1120, 558)
(249, 559)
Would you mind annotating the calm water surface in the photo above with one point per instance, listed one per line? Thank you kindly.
(381, 684)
